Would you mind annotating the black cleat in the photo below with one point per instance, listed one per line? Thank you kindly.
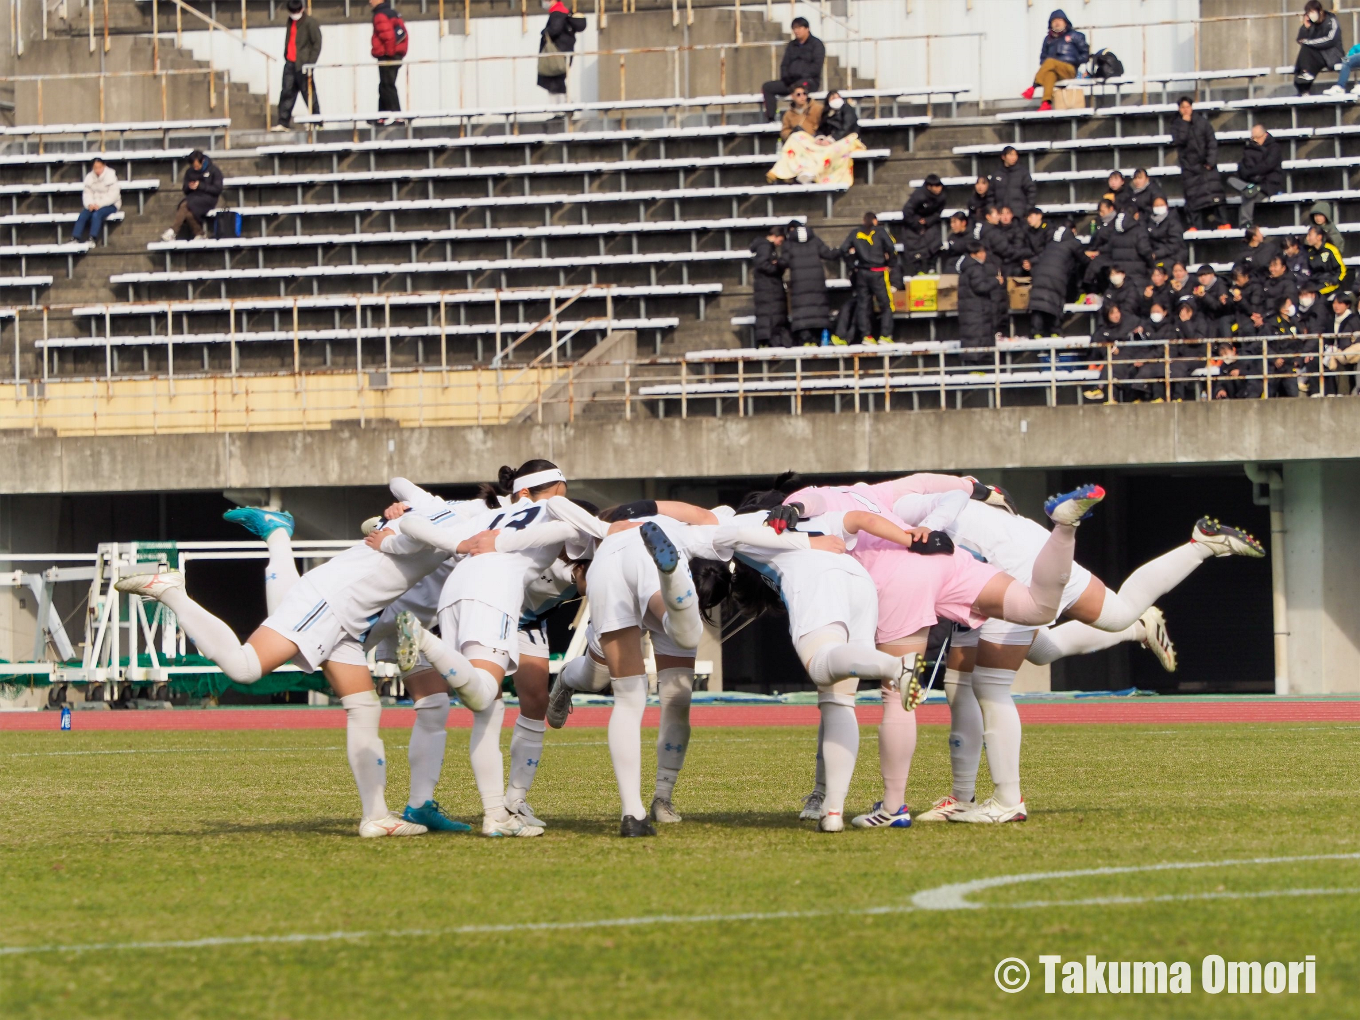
(631, 826)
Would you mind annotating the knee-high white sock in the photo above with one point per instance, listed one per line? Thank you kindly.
(674, 688)
(363, 713)
(965, 734)
(429, 734)
(683, 626)
(476, 688)
(1147, 584)
(840, 748)
(488, 764)
(819, 771)
(280, 573)
(1038, 604)
(896, 745)
(1078, 639)
(584, 674)
(214, 638)
(832, 663)
(1000, 730)
(526, 751)
(625, 741)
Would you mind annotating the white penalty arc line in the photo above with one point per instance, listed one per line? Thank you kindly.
(939, 895)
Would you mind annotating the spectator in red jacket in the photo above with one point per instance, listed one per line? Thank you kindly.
(389, 47)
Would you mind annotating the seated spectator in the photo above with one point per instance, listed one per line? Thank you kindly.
(1012, 184)
(1158, 291)
(840, 118)
(202, 188)
(1197, 155)
(1166, 232)
(800, 68)
(1122, 291)
(1259, 172)
(1181, 282)
(1145, 192)
(1344, 349)
(1320, 46)
(1279, 283)
(1118, 192)
(101, 197)
(1326, 268)
(1235, 370)
(955, 247)
(1247, 296)
(1320, 214)
(980, 198)
(804, 113)
(1314, 316)
(1296, 259)
(1213, 296)
(1063, 51)
(1194, 331)
(1348, 65)
(1121, 244)
(921, 226)
(1258, 252)
(1124, 358)
(995, 238)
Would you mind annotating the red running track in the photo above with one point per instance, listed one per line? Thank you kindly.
(1154, 711)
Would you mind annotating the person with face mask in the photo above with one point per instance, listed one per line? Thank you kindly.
(839, 119)
(1281, 348)
(1144, 191)
(301, 51)
(1126, 248)
(1166, 232)
(1320, 46)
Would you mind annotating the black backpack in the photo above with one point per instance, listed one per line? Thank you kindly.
(1104, 64)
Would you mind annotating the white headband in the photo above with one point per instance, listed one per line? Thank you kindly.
(537, 478)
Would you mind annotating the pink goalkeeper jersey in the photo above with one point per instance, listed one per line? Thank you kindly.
(914, 591)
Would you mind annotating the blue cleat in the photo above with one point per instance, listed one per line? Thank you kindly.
(879, 818)
(659, 547)
(259, 521)
(1075, 506)
(432, 816)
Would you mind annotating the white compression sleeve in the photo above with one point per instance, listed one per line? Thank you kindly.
(280, 573)
(1000, 730)
(840, 748)
(1038, 604)
(214, 638)
(625, 741)
(488, 764)
(674, 687)
(363, 746)
(1078, 639)
(429, 734)
(526, 751)
(1147, 584)
(965, 734)
(833, 663)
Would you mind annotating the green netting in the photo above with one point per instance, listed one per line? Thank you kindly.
(211, 682)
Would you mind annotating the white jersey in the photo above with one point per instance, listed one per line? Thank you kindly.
(360, 582)
(1007, 542)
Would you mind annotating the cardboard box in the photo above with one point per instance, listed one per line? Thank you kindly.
(922, 294)
(1017, 290)
(947, 292)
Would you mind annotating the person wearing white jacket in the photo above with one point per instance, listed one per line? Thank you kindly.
(101, 198)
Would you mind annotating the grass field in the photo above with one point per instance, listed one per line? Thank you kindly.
(118, 838)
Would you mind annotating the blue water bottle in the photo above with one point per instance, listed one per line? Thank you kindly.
(826, 338)
(66, 717)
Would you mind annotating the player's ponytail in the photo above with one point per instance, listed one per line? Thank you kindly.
(789, 481)
(504, 485)
(712, 582)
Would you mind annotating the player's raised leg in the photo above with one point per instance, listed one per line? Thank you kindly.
(276, 528)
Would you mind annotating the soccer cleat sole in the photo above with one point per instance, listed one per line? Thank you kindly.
(408, 641)
(559, 705)
(912, 690)
(1075, 506)
(660, 548)
(150, 585)
(1158, 641)
(1232, 541)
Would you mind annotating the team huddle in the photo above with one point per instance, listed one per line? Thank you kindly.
(894, 583)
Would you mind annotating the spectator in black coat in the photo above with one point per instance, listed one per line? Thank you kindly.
(1281, 348)
(1115, 332)
(1197, 155)
(955, 247)
(1279, 283)
(1314, 317)
(1017, 242)
(1117, 190)
(809, 309)
(1345, 347)
(1258, 252)
(1247, 295)
(1194, 350)
(838, 118)
(202, 188)
(982, 300)
(921, 226)
(1121, 244)
(1123, 292)
(1166, 232)
(1181, 281)
(1157, 291)
(1320, 46)
(872, 253)
(1296, 259)
(995, 238)
(1050, 275)
(1144, 191)
(1260, 172)
(802, 65)
(561, 31)
(980, 198)
(1214, 301)
(1011, 184)
(772, 308)
(1034, 238)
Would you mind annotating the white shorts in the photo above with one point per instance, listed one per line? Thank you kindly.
(306, 619)
(621, 581)
(842, 597)
(533, 640)
(999, 632)
(661, 644)
(469, 622)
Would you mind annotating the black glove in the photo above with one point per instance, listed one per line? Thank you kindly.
(938, 544)
(784, 518)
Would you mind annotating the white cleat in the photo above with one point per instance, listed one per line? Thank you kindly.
(392, 825)
(943, 809)
(559, 704)
(1073, 507)
(167, 235)
(511, 825)
(812, 806)
(525, 814)
(1157, 640)
(992, 812)
(832, 821)
(1222, 540)
(150, 586)
(880, 818)
(908, 683)
(371, 525)
(408, 641)
(663, 812)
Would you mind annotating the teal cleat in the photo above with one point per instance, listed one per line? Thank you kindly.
(432, 816)
(259, 521)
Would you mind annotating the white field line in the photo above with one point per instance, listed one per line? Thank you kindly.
(934, 899)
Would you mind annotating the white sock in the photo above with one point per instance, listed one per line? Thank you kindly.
(1147, 584)
(965, 734)
(584, 674)
(819, 773)
(833, 663)
(214, 638)
(683, 626)
(526, 751)
(1000, 730)
(840, 748)
(1075, 638)
(1037, 604)
(476, 688)
(280, 573)
(625, 741)
(896, 745)
(429, 734)
(363, 713)
(674, 687)
(488, 764)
